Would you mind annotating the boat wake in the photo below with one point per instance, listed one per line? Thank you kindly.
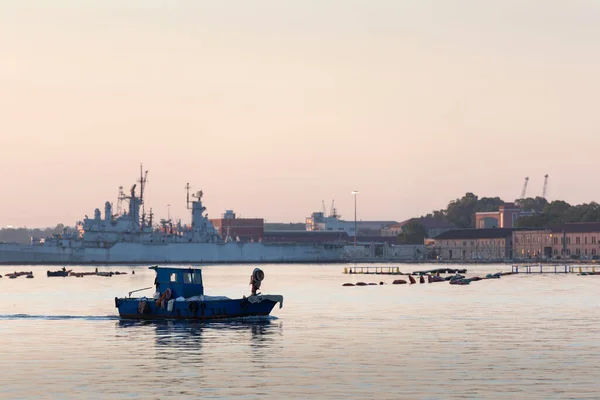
(5, 317)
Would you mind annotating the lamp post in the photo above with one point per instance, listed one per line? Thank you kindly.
(354, 193)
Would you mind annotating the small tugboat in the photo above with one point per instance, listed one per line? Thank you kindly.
(180, 295)
(62, 272)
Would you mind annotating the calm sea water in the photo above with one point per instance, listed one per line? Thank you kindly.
(518, 337)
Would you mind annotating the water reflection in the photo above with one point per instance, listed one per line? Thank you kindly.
(203, 347)
(192, 335)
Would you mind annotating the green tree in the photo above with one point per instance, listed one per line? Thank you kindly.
(533, 221)
(532, 204)
(414, 233)
(461, 212)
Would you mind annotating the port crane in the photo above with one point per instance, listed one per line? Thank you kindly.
(524, 191)
(545, 186)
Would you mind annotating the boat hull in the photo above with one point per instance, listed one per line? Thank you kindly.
(133, 308)
(58, 273)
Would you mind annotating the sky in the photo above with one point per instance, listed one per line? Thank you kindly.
(271, 107)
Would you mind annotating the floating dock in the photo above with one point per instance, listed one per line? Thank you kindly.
(440, 271)
(554, 269)
(396, 271)
(373, 270)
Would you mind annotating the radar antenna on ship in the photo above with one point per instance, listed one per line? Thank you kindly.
(120, 200)
(334, 213)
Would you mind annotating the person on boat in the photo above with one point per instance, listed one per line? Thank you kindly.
(255, 284)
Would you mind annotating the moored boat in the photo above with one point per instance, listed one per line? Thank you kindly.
(62, 272)
(131, 236)
(180, 295)
(20, 273)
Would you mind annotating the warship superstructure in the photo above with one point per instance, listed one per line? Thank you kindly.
(129, 237)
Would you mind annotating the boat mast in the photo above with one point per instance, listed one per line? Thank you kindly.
(142, 181)
(187, 188)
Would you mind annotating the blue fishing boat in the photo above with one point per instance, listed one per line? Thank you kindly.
(180, 295)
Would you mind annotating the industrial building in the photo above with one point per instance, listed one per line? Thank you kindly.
(319, 221)
(239, 229)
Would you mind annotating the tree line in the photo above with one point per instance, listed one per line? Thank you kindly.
(461, 213)
(25, 235)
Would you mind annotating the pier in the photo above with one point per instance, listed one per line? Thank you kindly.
(374, 270)
(396, 271)
(554, 269)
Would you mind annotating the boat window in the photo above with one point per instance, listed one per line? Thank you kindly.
(174, 277)
(192, 277)
(197, 277)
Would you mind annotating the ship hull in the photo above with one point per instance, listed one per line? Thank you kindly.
(193, 310)
(169, 253)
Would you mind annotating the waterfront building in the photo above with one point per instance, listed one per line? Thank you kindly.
(579, 240)
(506, 217)
(230, 227)
(474, 244)
(532, 244)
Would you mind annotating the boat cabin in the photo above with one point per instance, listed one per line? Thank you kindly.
(186, 282)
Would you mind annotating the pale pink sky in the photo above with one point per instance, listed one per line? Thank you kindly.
(272, 106)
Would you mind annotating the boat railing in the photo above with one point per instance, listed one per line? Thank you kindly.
(139, 290)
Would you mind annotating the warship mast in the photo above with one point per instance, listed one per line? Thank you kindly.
(142, 181)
